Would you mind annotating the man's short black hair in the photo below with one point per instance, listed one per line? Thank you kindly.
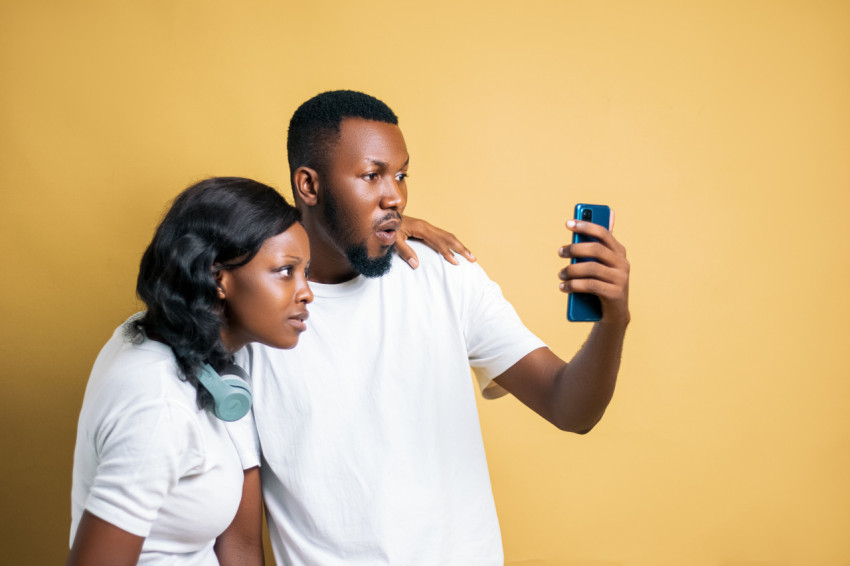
(315, 126)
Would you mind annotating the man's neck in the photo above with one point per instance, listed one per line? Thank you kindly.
(329, 267)
(328, 263)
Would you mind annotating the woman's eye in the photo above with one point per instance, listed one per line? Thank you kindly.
(401, 177)
(285, 271)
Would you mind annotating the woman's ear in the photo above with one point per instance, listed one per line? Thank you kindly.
(221, 277)
(306, 182)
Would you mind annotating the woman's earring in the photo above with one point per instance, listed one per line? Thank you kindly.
(221, 293)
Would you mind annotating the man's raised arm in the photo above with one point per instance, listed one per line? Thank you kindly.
(573, 396)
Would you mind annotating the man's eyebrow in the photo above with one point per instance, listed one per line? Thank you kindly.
(384, 164)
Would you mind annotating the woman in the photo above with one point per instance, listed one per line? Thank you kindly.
(157, 478)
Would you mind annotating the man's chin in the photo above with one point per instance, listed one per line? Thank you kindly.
(366, 266)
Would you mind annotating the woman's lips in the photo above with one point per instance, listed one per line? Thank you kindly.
(298, 321)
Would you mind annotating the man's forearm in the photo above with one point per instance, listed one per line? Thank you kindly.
(585, 385)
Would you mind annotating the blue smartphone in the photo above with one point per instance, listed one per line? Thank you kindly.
(584, 307)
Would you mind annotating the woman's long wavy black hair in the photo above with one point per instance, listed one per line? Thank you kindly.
(217, 224)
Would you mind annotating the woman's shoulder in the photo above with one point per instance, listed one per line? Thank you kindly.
(134, 368)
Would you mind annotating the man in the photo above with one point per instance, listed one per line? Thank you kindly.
(372, 450)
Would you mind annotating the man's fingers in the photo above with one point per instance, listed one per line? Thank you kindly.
(607, 277)
(592, 250)
(599, 232)
(593, 270)
(596, 287)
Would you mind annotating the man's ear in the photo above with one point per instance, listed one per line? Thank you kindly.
(306, 182)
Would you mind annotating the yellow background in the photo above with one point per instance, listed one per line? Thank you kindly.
(718, 131)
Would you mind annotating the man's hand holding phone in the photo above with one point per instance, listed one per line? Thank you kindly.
(598, 275)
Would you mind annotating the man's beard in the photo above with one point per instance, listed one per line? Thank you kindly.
(357, 254)
(359, 259)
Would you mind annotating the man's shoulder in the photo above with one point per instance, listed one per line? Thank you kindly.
(432, 262)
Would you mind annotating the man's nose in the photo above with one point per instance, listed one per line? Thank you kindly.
(394, 195)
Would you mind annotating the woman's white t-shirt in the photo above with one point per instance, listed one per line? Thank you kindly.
(149, 461)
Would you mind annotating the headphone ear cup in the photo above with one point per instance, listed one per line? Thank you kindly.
(231, 395)
(236, 382)
(236, 403)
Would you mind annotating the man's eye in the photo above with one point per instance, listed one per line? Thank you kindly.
(370, 176)
(401, 177)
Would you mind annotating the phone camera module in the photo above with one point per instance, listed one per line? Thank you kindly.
(586, 214)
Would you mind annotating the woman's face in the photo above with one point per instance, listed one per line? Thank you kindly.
(266, 299)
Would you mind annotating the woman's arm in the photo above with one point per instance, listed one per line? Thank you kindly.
(100, 543)
(242, 543)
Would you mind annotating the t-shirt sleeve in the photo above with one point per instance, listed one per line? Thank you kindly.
(142, 455)
(243, 432)
(244, 435)
(495, 336)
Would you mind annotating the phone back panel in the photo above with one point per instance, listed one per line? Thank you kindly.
(584, 307)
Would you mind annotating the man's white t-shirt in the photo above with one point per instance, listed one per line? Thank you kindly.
(369, 430)
(149, 461)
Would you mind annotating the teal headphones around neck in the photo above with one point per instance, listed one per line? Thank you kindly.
(230, 391)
